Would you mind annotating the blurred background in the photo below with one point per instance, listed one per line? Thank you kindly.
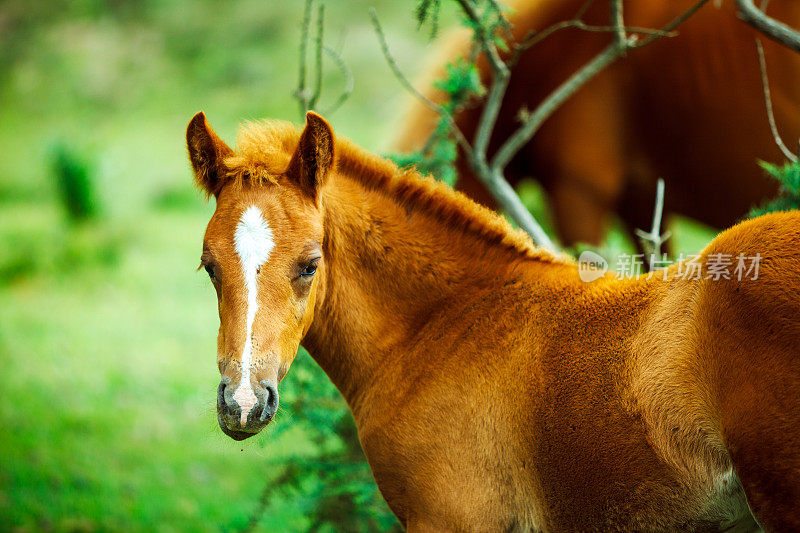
(107, 332)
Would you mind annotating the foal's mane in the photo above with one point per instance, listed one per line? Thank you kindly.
(264, 149)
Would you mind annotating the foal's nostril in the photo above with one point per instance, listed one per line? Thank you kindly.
(221, 395)
(270, 400)
(226, 404)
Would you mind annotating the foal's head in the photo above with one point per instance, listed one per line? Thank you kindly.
(262, 251)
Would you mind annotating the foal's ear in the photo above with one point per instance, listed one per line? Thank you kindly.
(313, 158)
(206, 152)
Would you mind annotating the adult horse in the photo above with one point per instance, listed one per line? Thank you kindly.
(689, 109)
(491, 388)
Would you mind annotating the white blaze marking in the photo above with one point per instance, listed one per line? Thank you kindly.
(253, 243)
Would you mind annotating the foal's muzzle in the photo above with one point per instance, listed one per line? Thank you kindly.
(229, 412)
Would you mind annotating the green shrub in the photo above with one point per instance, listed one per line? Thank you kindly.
(331, 486)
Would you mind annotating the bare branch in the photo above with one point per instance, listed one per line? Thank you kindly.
(312, 101)
(495, 180)
(535, 120)
(492, 173)
(767, 25)
(501, 74)
(301, 92)
(306, 97)
(653, 240)
(584, 8)
(612, 52)
(534, 37)
(348, 80)
(430, 104)
(617, 22)
(677, 21)
(768, 101)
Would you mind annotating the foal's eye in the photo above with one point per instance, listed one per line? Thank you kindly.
(210, 271)
(309, 269)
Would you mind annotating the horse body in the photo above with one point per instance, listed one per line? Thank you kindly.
(689, 109)
(491, 388)
(484, 409)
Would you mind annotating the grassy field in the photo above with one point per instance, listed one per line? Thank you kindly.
(107, 333)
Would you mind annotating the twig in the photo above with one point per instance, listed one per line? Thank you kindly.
(762, 63)
(653, 240)
(568, 88)
(524, 134)
(767, 25)
(307, 98)
(533, 38)
(501, 72)
(348, 80)
(617, 22)
(492, 177)
(312, 102)
(612, 52)
(301, 91)
(677, 21)
(430, 104)
(492, 173)
(584, 9)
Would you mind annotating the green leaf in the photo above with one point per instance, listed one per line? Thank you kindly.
(788, 176)
(429, 9)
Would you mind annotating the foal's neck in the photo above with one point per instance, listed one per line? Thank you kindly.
(398, 251)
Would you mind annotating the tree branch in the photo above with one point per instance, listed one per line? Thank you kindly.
(618, 24)
(493, 180)
(301, 93)
(529, 128)
(312, 101)
(306, 97)
(492, 173)
(770, 27)
(768, 102)
(653, 240)
(612, 52)
(677, 21)
(534, 37)
(430, 104)
(349, 82)
(501, 73)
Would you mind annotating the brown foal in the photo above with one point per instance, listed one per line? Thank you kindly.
(492, 388)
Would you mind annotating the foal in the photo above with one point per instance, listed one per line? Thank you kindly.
(492, 389)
